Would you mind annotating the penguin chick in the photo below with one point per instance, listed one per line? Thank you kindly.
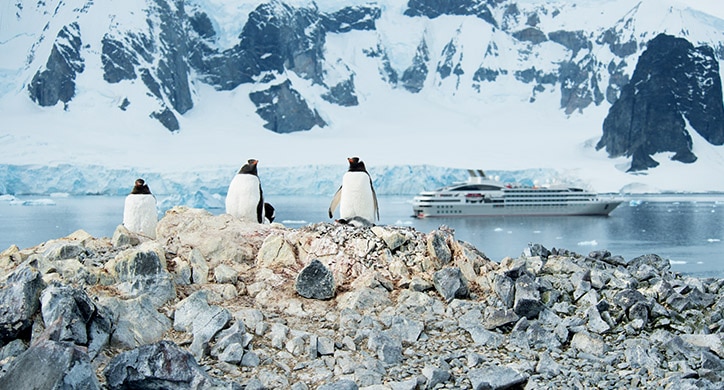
(245, 199)
(139, 210)
(356, 197)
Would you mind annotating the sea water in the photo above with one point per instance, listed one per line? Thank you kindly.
(686, 229)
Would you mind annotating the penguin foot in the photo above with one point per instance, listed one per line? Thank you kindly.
(356, 222)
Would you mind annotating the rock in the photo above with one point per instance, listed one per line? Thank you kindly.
(435, 376)
(123, 237)
(713, 342)
(437, 247)
(199, 267)
(315, 281)
(344, 384)
(588, 343)
(276, 253)
(387, 347)
(72, 308)
(504, 287)
(392, 238)
(135, 321)
(225, 274)
(19, 300)
(527, 302)
(51, 365)
(194, 315)
(159, 365)
(142, 272)
(495, 378)
(449, 282)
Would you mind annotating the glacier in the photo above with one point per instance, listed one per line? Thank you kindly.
(206, 188)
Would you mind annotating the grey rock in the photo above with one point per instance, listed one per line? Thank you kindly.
(472, 323)
(325, 346)
(225, 274)
(451, 284)
(589, 344)
(435, 376)
(527, 301)
(199, 267)
(135, 321)
(504, 287)
(70, 368)
(387, 347)
(19, 300)
(12, 349)
(343, 384)
(496, 318)
(640, 354)
(495, 378)
(406, 329)
(315, 281)
(73, 310)
(123, 237)
(141, 272)
(195, 315)
(438, 248)
(547, 365)
(159, 365)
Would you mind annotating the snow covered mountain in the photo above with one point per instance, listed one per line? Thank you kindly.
(616, 94)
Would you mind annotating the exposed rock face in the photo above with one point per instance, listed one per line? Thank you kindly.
(674, 84)
(399, 309)
(56, 83)
(275, 105)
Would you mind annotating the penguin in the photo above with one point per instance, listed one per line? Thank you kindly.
(139, 211)
(245, 199)
(356, 196)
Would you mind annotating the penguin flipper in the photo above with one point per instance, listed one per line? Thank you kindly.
(335, 202)
(260, 207)
(374, 198)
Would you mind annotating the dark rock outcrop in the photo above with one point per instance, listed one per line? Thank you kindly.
(51, 365)
(674, 83)
(56, 83)
(284, 109)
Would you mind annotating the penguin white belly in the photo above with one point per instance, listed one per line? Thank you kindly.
(139, 214)
(357, 199)
(243, 197)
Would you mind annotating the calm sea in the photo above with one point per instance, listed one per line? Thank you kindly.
(686, 229)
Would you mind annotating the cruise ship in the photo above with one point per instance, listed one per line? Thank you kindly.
(481, 196)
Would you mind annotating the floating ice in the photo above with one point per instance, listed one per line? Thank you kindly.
(588, 243)
(33, 202)
(7, 198)
(59, 195)
(713, 240)
(634, 203)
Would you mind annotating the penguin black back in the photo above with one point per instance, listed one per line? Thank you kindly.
(141, 187)
(249, 167)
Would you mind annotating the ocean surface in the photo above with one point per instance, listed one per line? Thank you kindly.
(686, 229)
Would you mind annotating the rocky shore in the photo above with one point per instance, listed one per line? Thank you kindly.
(213, 303)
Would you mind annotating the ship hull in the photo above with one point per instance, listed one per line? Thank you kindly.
(602, 208)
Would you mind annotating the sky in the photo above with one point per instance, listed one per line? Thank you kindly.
(713, 7)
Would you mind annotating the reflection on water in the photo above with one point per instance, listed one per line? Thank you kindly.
(688, 230)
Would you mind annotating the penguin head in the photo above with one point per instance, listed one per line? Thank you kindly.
(356, 165)
(249, 167)
(140, 187)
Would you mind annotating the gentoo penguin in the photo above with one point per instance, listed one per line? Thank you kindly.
(356, 197)
(139, 211)
(245, 199)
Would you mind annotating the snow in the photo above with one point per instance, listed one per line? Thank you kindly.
(409, 142)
